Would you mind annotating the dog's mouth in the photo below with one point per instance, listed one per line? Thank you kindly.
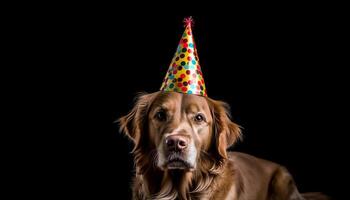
(178, 163)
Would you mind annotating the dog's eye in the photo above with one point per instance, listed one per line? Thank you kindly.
(199, 117)
(161, 115)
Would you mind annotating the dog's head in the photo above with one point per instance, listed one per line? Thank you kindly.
(174, 131)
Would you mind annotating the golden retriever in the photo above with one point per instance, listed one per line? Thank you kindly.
(180, 153)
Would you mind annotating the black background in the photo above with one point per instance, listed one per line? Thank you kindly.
(279, 69)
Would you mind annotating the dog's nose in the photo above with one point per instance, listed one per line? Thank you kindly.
(176, 142)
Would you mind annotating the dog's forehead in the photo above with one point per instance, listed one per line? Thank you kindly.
(168, 100)
(194, 103)
(188, 102)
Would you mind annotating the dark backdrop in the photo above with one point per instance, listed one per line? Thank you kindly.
(279, 70)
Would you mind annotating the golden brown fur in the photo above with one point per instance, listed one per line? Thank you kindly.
(209, 172)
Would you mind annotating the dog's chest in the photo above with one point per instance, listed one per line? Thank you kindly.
(219, 194)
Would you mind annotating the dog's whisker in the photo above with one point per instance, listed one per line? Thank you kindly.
(155, 156)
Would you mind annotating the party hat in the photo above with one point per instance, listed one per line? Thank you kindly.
(184, 74)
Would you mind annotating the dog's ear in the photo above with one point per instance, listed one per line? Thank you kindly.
(226, 132)
(132, 123)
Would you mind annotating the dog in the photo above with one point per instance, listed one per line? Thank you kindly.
(180, 152)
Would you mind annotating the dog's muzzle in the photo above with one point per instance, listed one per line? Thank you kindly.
(177, 152)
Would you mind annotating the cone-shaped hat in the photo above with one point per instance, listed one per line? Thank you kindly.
(184, 74)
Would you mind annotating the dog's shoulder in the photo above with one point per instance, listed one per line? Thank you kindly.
(251, 167)
(243, 161)
(264, 177)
